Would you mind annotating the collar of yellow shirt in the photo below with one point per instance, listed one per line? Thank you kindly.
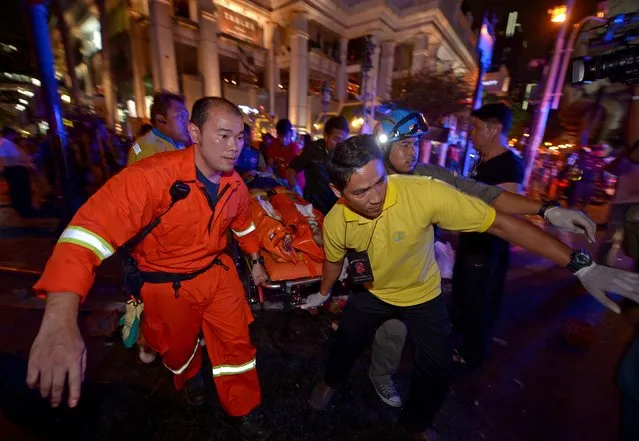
(391, 199)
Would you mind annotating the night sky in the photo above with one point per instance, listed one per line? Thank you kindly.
(533, 16)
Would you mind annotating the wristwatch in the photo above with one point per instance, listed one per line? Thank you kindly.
(579, 259)
(258, 261)
(547, 206)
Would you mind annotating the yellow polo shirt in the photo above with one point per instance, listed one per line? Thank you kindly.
(401, 249)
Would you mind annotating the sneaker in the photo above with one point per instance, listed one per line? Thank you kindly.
(387, 392)
(321, 395)
(146, 355)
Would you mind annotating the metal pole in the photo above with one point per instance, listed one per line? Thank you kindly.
(565, 61)
(541, 118)
(39, 18)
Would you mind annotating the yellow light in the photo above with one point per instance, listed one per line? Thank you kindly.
(547, 143)
(558, 14)
(66, 98)
(357, 122)
(527, 135)
(67, 122)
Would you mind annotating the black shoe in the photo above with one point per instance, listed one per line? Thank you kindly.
(254, 426)
(195, 391)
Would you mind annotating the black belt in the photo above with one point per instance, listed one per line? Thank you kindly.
(177, 279)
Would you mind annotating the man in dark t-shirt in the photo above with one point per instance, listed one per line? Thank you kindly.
(312, 162)
(482, 259)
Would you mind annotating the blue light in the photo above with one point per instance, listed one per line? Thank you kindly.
(618, 19)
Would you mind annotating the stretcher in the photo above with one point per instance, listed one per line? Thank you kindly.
(290, 234)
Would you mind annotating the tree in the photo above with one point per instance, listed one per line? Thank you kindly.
(434, 92)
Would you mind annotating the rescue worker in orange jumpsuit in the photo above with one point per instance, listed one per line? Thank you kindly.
(190, 284)
(170, 130)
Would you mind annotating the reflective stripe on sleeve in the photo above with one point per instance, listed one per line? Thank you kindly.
(85, 238)
(219, 371)
(243, 233)
(188, 362)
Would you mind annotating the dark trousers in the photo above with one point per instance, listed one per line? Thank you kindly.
(19, 189)
(478, 290)
(629, 384)
(429, 327)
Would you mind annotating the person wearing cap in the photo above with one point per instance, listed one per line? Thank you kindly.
(398, 136)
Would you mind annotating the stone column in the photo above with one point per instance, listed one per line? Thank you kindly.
(443, 154)
(420, 53)
(272, 43)
(207, 55)
(107, 80)
(341, 82)
(162, 44)
(385, 77)
(298, 78)
(88, 79)
(138, 70)
(371, 85)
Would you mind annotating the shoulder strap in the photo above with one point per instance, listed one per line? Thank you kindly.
(178, 191)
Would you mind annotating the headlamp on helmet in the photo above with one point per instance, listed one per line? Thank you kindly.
(391, 129)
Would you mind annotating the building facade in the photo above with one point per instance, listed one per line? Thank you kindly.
(273, 55)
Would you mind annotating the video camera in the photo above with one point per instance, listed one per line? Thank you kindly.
(621, 35)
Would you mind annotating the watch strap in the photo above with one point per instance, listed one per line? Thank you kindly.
(258, 261)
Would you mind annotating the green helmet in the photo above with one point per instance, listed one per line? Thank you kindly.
(400, 124)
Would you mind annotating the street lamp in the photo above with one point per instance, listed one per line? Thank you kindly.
(561, 15)
(558, 14)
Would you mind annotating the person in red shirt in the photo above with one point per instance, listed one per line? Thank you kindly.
(283, 149)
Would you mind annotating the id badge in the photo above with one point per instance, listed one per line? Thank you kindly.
(360, 267)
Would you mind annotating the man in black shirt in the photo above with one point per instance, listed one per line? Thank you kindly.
(482, 259)
(312, 162)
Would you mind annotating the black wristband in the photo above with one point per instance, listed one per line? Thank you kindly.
(546, 206)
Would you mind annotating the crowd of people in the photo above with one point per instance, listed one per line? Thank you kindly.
(185, 189)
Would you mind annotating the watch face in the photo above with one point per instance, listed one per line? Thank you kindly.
(582, 258)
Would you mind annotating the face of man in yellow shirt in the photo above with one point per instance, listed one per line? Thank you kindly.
(365, 191)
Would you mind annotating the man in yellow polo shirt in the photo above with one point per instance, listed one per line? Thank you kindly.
(384, 226)
(170, 131)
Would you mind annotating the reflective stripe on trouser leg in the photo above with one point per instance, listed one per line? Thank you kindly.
(185, 365)
(219, 371)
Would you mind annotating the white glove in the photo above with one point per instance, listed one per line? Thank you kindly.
(315, 300)
(344, 273)
(571, 220)
(597, 279)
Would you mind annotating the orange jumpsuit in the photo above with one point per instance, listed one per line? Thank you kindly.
(188, 238)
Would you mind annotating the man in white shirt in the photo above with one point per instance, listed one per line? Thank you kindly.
(14, 165)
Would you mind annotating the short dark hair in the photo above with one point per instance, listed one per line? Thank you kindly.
(496, 112)
(247, 130)
(162, 102)
(283, 126)
(350, 155)
(203, 106)
(335, 123)
(146, 128)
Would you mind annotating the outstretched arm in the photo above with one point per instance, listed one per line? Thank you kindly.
(511, 203)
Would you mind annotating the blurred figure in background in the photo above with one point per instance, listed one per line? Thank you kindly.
(170, 121)
(283, 150)
(15, 164)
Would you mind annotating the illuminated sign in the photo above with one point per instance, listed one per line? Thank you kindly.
(489, 83)
(238, 26)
